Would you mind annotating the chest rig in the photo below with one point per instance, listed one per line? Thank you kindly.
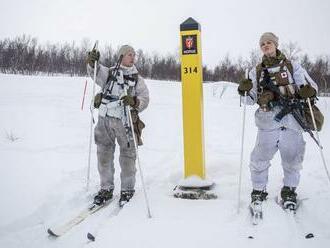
(118, 86)
(281, 77)
(120, 83)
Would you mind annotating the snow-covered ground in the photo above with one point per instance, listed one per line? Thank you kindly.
(43, 168)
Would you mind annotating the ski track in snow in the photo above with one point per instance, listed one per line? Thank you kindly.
(43, 173)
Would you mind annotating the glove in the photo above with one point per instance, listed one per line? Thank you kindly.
(306, 91)
(244, 86)
(265, 98)
(92, 56)
(130, 100)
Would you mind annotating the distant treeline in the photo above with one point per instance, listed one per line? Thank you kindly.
(23, 55)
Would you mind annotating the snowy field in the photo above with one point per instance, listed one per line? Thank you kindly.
(43, 166)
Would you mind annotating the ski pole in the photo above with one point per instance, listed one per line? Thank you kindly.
(92, 121)
(138, 160)
(83, 99)
(318, 138)
(242, 147)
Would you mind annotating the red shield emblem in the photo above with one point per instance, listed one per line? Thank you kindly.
(189, 42)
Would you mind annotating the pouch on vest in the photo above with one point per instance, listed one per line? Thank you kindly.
(282, 78)
(138, 126)
(98, 100)
(264, 100)
(318, 116)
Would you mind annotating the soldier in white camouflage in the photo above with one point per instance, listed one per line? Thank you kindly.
(274, 133)
(125, 88)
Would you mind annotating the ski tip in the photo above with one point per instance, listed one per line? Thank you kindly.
(50, 232)
(91, 237)
(309, 236)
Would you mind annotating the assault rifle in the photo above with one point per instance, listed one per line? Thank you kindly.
(108, 85)
(289, 106)
(112, 77)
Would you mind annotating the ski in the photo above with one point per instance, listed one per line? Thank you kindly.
(256, 212)
(91, 236)
(256, 217)
(60, 230)
(291, 211)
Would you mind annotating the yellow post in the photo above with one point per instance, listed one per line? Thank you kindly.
(192, 102)
(192, 98)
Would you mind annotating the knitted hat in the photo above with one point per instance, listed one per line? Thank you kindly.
(268, 36)
(125, 49)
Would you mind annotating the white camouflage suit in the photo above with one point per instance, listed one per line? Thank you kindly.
(109, 129)
(285, 136)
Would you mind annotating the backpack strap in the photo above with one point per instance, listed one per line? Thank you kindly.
(288, 65)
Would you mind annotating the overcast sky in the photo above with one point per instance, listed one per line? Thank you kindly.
(228, 27)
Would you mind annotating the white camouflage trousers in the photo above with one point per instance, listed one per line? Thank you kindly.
(291, 145)
(107, 131)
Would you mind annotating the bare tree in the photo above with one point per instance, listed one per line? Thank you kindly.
(24, 55)
(291, 50)
(255, 58)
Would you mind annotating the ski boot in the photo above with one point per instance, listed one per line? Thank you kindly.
(102, 196)
(125, 196)
(289, 198)
(257, 197)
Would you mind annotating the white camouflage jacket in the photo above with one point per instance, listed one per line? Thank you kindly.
(265, 120)
(140, 90)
